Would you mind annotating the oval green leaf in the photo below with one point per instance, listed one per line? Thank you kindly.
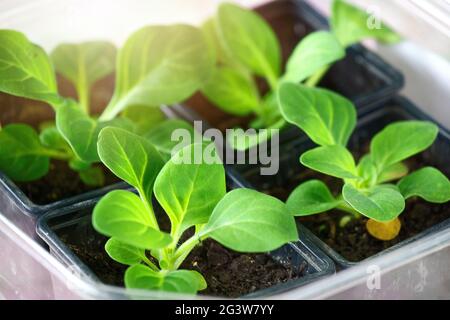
(380, 203)
(427, 183)
(123, 215)
(232, 91)
(26, 70)
(315, 52)
(50, 137)
(326, 117)
(188, 192)
(249, 221)
(92, 176)
(352, 25)
(130, 157)
(161, 136)
(83, 64)
(401, 140)
(214, 44)
(160, 65)
(335, 161)
(124, 253)
(22, 157)
(250, 40)
(393, 172)
(180, 281)
(144, 118)
(367, 171)
(81, 131)
(311, 197)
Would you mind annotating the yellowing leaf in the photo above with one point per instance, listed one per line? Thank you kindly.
(384, 230)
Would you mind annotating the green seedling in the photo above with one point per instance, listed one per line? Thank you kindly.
(157, 65)
(369, 187)
(193, 195)
(246, 47)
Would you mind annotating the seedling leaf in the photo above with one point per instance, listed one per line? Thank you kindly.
(130, 157)
(381, 203)
(122, 215)
(401, 140)
(160, 65)
(22, 157)
(335, 161)
(26, 70)
(427, 183)
(124, 253)
(244, 219)
(188, 192)
(311, 197)
(352, 25)
(315, 52)
(326, 117)
(181, 281)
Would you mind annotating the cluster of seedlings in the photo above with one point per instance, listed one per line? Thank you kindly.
(164, 65)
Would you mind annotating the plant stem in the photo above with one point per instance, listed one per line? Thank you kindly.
(150, 264)
(59, 155)
(343, 206)
(83, 97)
(183, 251)
(149, 207)
(176, 234)
(315, 78)
(273, 81)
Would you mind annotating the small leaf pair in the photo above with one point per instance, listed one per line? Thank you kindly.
(329, 120)
(193, 195)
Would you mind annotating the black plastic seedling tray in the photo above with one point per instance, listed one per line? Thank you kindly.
(74, 225)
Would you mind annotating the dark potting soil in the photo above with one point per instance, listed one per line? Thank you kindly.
(227, 273)
(352, 241)
(61, 182)
(232, 274)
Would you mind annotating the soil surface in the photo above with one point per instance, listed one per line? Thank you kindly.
(61, 182)
(231, 274)
(227, 273)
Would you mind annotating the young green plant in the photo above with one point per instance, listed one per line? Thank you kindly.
(193, 195)
(245, 46)
(157, 65)
(369, 187)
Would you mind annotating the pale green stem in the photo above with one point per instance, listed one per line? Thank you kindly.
(343, 206)
(315, 78)
(149, 207)
(57, 154)
(184, 250)
(83, 97)
(150, 264)
(272, 80)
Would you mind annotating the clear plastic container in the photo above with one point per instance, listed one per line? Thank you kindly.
(419, 270)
